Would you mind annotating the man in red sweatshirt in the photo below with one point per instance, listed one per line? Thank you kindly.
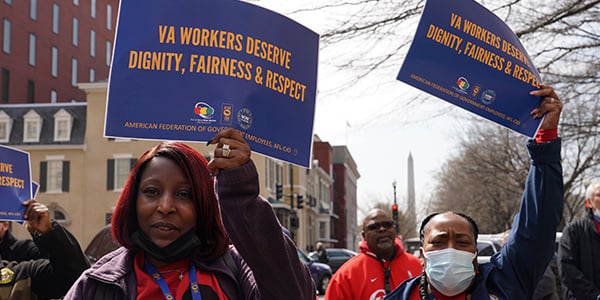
(381, 265)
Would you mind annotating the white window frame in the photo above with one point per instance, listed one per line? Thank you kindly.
(32, 42)
(74, 72)
(55, 17)
(109, 17)
(63, 123)
(122, 169)
(54, 62)
(5, 127)
(108, 52)
(32, 118)
(93, 9)
(75, 38)
(274, 173)
(54, 183)
(92, 43)
(6, 36)
(33, 9)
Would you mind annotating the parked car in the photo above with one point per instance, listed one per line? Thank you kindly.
(337, 257)
(103, 243)
(321, 273)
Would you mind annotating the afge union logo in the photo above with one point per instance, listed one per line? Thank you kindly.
(462, 83)
(226, 112)
(204, 110)
(244, 118)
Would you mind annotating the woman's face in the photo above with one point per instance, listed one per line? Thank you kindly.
(165, 208)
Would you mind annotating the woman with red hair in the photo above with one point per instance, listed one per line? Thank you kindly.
(175, 244)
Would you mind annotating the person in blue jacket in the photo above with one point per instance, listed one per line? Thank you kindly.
(449, 239)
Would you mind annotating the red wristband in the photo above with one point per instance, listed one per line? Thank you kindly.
(546, 135)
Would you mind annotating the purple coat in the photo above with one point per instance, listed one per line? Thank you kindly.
(267, 260)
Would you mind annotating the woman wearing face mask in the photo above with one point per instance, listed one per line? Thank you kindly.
(449, 240)
(175, 244)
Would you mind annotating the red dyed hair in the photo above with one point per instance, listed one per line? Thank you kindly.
(209, 226)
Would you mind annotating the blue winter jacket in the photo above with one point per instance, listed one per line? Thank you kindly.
(513, 272)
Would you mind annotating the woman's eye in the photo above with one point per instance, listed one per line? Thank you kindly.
(150, 192)
(185, 194)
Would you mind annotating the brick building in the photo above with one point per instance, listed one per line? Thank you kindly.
(47, 47)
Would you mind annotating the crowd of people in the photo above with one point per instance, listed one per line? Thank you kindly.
(192, 229)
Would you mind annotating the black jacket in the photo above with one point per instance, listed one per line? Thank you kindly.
(579, 260)
(44, 278)
(13, 249)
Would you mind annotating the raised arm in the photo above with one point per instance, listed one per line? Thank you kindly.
(252, 225)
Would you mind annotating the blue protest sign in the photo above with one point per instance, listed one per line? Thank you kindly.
(464, 54)
(34, 189)
(15, 183)
(187, 69)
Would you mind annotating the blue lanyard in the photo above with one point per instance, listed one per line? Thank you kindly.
(165, 288)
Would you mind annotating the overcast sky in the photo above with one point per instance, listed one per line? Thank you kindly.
(378, 137)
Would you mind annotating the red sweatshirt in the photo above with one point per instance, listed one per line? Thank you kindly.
(362, 277)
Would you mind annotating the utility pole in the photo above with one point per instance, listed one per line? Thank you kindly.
(395, 209)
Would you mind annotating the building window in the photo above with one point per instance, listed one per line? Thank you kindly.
(74, 72)
(9, 2)
(109, 17)
(92, 43)
(92, 75)
(54, 174)
(62, 126)
(32, 123)
(323, 230)
(55, 17)
(5, 127)
(274, 176)
(6, 37)
(32, 40)
(54, 62)
(33, 9)
(75, 32)
(58, 214)
(30, 91)
(76, 2)
(108, 52)
(117, 171)
(53, 96)
(5, 84)
(93, 9)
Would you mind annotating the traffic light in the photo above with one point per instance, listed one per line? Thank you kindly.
(278, 191)
(300, 204)
(395, 216)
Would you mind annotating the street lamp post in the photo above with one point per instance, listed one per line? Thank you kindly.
(395, 208)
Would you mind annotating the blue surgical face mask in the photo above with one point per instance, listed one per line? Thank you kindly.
(450, 271)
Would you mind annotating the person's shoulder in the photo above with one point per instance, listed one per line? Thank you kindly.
(353, 263)
(576, 225)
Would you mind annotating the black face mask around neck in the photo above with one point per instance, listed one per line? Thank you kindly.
(178, 249)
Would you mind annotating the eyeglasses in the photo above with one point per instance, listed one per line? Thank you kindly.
(376, 226)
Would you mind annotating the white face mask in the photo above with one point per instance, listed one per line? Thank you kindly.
(597, 213)
(450, 271)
